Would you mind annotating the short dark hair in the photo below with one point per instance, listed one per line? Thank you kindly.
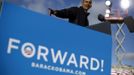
(83, 0)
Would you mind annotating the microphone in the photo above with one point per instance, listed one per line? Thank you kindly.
(101, 18)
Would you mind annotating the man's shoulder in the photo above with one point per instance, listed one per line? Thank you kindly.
(74, 7)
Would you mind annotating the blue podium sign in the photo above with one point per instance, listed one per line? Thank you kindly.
(35, 44)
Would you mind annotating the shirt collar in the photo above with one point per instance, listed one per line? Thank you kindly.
(87, 13)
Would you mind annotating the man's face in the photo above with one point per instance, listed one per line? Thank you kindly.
(87, 4)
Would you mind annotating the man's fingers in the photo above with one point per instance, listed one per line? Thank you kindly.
(49, 11)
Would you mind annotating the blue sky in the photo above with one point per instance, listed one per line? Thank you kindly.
(41, 6)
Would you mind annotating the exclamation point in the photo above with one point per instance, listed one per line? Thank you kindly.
(102, 65)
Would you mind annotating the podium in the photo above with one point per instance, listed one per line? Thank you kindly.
(105, 27)
(36, 44)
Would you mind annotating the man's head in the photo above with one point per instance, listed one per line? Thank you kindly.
(86, 4)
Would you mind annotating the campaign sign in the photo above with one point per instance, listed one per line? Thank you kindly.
(36, 44)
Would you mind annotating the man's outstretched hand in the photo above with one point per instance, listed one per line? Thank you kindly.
(51, 11)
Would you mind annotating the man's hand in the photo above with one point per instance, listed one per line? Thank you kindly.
(51, 11)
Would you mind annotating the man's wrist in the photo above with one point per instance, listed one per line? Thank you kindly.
(54, 12)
